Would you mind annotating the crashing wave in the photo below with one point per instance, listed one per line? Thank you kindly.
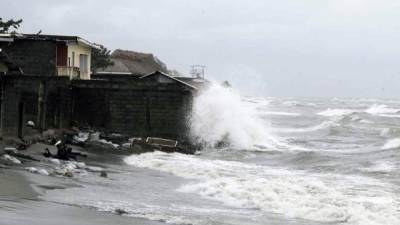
(220, 117)
(295, 194)
(391, 144)
(336, 112)
(381, 109)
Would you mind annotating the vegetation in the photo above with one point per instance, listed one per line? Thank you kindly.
(226, 84)
(6, 26)
(101, 58)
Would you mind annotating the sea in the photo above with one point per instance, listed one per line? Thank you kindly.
(264, 160)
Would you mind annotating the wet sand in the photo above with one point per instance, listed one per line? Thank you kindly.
(20, 203)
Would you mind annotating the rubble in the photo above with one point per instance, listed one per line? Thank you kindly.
(12, 159)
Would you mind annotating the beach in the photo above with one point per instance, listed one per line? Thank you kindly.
(21, 202)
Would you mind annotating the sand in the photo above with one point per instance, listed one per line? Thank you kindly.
(20, 203)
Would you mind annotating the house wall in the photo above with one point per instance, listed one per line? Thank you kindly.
(78, 50)
(33, 56)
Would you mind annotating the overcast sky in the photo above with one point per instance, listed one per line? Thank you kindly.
(267, 47)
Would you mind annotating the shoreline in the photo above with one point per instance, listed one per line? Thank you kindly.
(20, 201)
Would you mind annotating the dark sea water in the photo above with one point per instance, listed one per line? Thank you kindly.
(290, 161)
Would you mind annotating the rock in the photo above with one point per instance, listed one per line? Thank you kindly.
(39, 171)
(43, 172)
(30, 124)
(95, 136)
(32, 169)
(126, 145)
(120, 211)
(54, 161)
(70, 167)
(80, 165)
(11, 159)
(82, 137)
(68, 174)
(103, 174)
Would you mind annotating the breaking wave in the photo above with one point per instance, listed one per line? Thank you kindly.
(295, 194)
(381, 109)
(391, 144)
(221, 117)
(336, 112)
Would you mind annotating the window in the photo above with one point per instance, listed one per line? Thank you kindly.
(83, 63)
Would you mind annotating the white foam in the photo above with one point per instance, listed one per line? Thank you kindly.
(391, 144)
(336, 112)
(385, 132)
(381, 166)
(275, 113)
(219, 114)
(389, 115)
(376, 109)
(321, 126)
(320, 197)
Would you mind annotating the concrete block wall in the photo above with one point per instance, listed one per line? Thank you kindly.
(33, 56)
(133, 108)
(140, 108)
(20, 102)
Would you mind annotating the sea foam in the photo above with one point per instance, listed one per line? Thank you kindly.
(391, 144)
(295, 194)
(336, 112)
(381, 109)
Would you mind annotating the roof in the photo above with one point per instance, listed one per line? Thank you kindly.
(197, 82)
(45, 37)
(136, 63)
(169, 77)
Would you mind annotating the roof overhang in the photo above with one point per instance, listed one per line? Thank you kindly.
(170, 77)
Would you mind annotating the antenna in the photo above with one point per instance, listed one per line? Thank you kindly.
(197, 71)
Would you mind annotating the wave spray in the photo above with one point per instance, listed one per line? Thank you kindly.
(221, 117)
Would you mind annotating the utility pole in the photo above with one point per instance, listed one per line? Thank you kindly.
(197, 71)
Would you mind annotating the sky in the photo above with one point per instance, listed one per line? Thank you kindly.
(308, 48)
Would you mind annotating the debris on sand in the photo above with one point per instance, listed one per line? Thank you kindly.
(12, 159)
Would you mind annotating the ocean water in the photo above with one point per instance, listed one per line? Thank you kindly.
(284, 161)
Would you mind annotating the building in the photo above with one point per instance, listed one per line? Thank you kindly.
(141, 106)
(48, 55)
(54, 89)
(134, 63)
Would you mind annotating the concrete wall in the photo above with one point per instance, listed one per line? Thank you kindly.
(43, 100)
(133, 107)
(33, 56)
(136, 108)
